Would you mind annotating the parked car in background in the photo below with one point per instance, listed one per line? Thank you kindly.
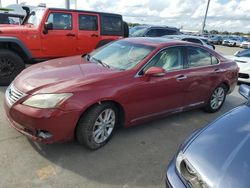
(231, 42)
(234, 41)
(194, 39)
(216, 40)
(48, 33)
(245, 44)
(7, 18)
(153, 31)
(136, 28)
(242, 58)
(216, 156)
(124, 83)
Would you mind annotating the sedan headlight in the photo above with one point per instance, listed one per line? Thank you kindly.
(179, 159)
(188, 172)
(47, 100)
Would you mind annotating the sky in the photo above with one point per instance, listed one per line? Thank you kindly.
(223, 15)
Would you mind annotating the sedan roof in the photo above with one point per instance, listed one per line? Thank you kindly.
(155, 41)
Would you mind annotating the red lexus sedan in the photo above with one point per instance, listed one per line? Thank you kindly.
(122, 84)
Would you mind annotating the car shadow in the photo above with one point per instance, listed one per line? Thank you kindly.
(2, 89)
(134, 156)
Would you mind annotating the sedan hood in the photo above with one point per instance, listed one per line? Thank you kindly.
(58, 74)
(221, 152)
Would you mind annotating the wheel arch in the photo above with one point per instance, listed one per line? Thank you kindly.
(118, 105)
(226, 84)
(14, 44)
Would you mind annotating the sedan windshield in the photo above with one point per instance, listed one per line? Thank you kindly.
(121, 55)
(139, 33)
(243, 53)
(134, 29)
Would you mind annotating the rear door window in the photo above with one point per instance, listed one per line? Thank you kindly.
(111, 23)
(88, 22)
(198, 57)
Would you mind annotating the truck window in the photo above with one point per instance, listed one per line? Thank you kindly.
(88, 22)
(60, 21)
(113, 24)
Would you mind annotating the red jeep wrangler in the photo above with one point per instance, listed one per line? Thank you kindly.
(51, 33)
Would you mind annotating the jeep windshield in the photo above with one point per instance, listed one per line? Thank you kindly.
(35, 16)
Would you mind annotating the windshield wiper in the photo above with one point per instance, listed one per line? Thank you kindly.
(100, 62)
(88, 57)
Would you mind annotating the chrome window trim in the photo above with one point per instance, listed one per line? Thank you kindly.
(137, 75)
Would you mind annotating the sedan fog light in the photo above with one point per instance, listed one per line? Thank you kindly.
(44, 134)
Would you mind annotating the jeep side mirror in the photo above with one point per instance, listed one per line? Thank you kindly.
(47, 26)
(244, 90)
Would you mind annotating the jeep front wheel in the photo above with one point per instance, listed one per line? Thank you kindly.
(11, 65)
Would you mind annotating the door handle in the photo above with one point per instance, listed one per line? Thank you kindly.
(219, 70)
(181, 77)
(94, 35)
(70, 35)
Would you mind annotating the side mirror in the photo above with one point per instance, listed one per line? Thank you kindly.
(155, 72)
(47, 26)
(244, 90)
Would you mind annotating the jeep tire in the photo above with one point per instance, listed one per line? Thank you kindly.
(11, 65)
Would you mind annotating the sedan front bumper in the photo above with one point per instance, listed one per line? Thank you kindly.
(42, 125)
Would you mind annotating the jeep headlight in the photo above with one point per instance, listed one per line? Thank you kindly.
(47, 100)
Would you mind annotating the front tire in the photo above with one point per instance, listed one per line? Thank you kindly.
(217, 99)
(11, 65)
(96, 126)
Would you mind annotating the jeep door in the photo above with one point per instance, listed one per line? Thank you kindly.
(88, 35)
(61, 39)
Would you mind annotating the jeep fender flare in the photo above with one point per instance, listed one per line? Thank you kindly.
(5, 41)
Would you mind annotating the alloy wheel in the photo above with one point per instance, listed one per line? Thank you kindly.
(104, 125)
(217, 98)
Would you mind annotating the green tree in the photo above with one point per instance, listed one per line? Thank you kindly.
(225, 33)
(214, 32)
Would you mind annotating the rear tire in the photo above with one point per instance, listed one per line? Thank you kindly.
(216, 99)
(96, 126)
(11, 65)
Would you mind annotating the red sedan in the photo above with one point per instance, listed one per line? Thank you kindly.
(122, 84)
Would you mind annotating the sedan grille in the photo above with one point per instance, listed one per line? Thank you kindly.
(12, 94)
